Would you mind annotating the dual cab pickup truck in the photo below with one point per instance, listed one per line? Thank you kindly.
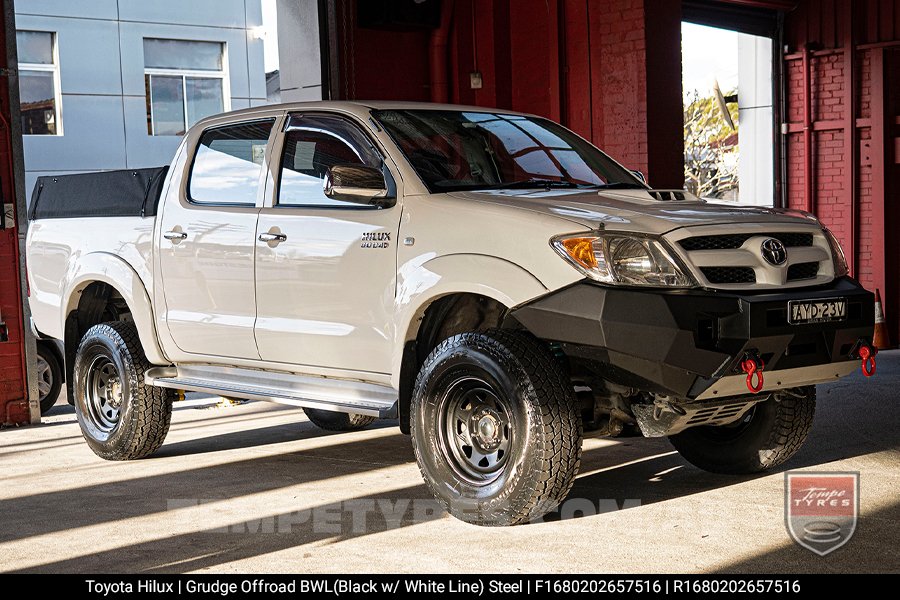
(490, 279)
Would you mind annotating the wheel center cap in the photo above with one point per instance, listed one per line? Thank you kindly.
(487, 427)
(114, 393)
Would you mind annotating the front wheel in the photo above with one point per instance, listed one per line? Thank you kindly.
(769, 434)
(121, 417)
(495, 428)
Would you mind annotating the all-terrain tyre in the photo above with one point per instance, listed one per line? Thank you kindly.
(770, 433)
(121, 417)
(495, 427)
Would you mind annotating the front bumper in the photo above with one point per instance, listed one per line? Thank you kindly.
(689, 343)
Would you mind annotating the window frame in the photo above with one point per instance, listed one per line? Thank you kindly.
(223, 75)
(282, 147)
(48, 68)
(264, 168)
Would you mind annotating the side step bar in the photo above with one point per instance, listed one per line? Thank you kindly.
(338, 395)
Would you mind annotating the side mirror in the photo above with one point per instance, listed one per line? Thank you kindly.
(639, 175)
(358, 184)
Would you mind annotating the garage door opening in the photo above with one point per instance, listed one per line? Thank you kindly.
(728, 115)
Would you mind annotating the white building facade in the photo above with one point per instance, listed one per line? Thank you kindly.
(113, 84)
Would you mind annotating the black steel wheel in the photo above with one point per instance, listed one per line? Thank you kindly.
(121, 417)
(495, 427)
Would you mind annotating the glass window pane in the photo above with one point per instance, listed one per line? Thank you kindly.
(228, 164)
(204, 98)
(309, 153)
(512, 138)
(36, 91)
(182, 54)
(35, 47)
(167, 101)
(468, 150)
(540, 133)
(575, 168)
(536, 163)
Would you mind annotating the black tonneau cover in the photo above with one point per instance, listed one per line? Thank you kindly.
(125, 193)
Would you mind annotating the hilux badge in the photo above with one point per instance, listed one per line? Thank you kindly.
(773, 251)
(376, 239)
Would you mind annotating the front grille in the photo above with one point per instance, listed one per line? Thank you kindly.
(794, 240)
(729, 274)
(800, 271)
(732, 241)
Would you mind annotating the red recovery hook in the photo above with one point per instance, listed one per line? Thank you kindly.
(753, 365)
(867, 355)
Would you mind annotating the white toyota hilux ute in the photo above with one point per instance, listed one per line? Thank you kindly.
(490, 279)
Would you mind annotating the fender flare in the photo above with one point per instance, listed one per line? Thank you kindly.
(504, 281)
(121, 276)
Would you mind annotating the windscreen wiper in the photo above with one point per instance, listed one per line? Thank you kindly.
(536, 182)
(620, 185)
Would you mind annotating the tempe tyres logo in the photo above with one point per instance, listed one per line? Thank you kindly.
(821, 509)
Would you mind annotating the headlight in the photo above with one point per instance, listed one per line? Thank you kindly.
(622, 259)
(837, 254)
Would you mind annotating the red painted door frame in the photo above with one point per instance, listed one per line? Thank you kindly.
(17, 349)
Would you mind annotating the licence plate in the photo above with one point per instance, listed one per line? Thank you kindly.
(819, 311)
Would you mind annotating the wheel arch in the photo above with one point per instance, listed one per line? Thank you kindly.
(105, 287)
(448, 302)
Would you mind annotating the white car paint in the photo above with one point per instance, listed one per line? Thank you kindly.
(319, 304)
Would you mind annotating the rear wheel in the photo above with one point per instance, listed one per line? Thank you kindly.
(495, 428)
(768, 435)
(49, 376)
(335, 421)
(121, 417)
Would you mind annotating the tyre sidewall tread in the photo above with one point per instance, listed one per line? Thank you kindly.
(146, 412)
(547, 451)
(778, 430)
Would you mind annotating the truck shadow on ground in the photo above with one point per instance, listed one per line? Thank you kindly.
(871, 550)
(631, 469)
(627, 468)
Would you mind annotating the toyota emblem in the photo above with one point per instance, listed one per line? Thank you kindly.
(773, 251)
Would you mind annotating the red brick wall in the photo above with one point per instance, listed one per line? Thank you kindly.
(619, 106)
(852, 179)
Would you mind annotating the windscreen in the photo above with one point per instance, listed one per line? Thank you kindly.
(460, 150)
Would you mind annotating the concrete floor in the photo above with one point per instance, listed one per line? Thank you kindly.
(257, 488)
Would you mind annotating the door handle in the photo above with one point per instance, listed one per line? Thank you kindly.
(175, 236)
(272, 237)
